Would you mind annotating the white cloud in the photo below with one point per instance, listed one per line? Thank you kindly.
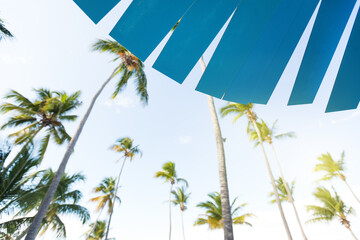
(9, 59)
(185, 139)
(121, 102)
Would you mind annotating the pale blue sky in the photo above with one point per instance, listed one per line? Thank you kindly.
(52, 50)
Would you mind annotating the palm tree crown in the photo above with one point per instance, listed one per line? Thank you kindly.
(239, 110)
(97, 231)
(331, 167)
(107, 190)
(15, 175)
(169, 174)
(125, 146)
(332, 207)
(267, 134)
(283, 194)
(65, 202)
(213, 216)
(130, 66)
(180, 197)
(48, 111)
(4, 32)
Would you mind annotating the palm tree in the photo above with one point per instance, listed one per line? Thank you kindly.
(14, 176)
(213, 215)
(268, 135)
(9, 232)
(333, 169)
(124, 146)
(169, 174)
(107, 189)
(129, 66)
(47, 112)
(4, 32)
(283, 193)
(286, 197)
(65, 202)
(180, 199)
(332, 207)
(247, 109)
(224, 188)
(97, 231)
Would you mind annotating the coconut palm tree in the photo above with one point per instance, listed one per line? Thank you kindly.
(247, 109)
(129, 66)
(333, 169)
(268, 135)
(107, 190)
(224, 188)
(65, 202)
(9, 232)
(286, 197)
(4, 32)
(124, 146)
(180, 199)
(283, 193)
(169, 174)
(213, 215)
(46, 113)
(331, 207)
(97, 231)
(14, 176)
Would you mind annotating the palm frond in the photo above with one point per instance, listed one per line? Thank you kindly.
(4, 32)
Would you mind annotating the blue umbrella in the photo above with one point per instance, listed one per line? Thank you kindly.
(254, 49)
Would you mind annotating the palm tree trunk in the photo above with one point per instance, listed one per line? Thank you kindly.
(114, 199)
(352, 233)
(224, 189)
(55, 182)
(298, 220)
(289, 192)
(182, 223)
(170, 211)
(351, 191)
(272, 180)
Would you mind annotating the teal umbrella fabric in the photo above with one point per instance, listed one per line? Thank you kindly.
(254, 49)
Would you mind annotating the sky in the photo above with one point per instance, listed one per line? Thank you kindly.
(51, 49)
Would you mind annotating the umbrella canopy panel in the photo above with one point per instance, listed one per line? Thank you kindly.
(146, 23)
(95, 9)
(198, 28)
(346, 91)
(328, 28)
(259, 73)
(254, 50)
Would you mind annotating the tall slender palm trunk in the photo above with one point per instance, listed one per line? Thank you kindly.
(347, 184)
(182, 223)
(55, 182)
(288, 192)
(171, 186)
(224, 189)
(114, 199)
(352, 233)
(272, 180)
